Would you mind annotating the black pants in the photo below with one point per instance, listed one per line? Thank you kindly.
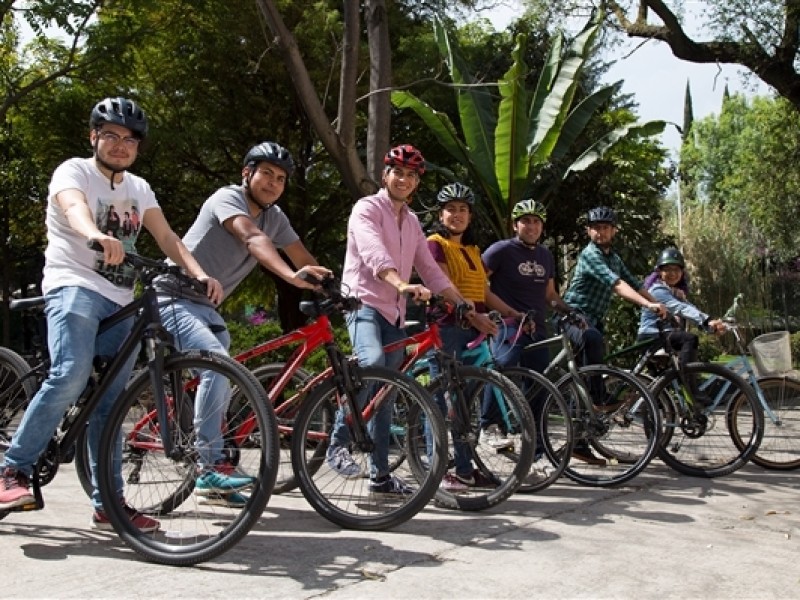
(683, 341)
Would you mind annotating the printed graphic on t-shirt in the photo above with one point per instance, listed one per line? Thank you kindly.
(119, 219)
(531, 268)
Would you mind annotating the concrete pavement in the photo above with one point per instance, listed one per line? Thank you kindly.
(662, 536)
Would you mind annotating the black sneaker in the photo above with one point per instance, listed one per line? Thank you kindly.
(390, 486)
(585, 454)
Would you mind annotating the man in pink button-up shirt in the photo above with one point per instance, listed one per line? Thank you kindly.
(385, 242)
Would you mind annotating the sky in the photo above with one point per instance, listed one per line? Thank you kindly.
(657, 80)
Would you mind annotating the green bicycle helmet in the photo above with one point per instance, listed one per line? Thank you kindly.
(528, 207)
(670, 256)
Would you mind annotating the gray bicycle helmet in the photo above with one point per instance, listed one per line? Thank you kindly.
(120, 111)
(602, 214)
(455, 192)
(272, 153)
(528, 207)
(670, 256)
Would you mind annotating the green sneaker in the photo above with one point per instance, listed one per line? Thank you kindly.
(212, 482)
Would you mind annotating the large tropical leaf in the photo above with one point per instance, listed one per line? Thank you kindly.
(438, 122)
(511, 156)
(546, 128)
(475, 105)
(601, 146)
(578, 119)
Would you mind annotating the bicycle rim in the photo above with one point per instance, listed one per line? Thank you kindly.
(506, 407)
(780, 447)
(554, 431)
(193, 528)
(715, 440)
(349, 503)
(622, 432)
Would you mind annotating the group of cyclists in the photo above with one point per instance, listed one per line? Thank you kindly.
(240, 226)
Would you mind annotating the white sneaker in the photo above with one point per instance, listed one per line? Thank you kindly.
(339, 459)
(493, 437)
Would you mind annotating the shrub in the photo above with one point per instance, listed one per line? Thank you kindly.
(709, 348)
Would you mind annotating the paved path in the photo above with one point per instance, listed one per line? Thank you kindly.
(663, 536)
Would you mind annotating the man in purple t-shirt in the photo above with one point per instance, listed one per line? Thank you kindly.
(521, 272)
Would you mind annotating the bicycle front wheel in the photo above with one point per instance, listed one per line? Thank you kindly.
(349, 501)
(618, 438)
(714, 439)
(17, 388)
(193, 528)
(780, 447)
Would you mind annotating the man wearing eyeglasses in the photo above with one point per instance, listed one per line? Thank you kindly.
(82, 286)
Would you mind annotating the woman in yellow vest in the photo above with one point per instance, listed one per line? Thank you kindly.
(453, 247)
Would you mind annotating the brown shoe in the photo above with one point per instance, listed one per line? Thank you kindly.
(585, 454)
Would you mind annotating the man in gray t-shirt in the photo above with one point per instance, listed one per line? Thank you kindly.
(237, 228)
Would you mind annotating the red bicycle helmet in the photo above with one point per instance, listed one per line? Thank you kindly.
(405, 156)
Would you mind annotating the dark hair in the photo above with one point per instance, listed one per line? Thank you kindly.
(683, 283)
(467, 238)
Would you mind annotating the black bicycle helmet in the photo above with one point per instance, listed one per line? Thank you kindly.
(455, 192)
(272, 153)
(602, 214)
(670, 256)
(120, 111)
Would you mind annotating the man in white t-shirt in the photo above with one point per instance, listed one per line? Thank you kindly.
(82, 286)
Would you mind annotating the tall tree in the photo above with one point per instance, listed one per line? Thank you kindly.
(760, 36)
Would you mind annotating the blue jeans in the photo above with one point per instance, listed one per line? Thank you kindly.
(509, 353)
(73, 317)
(590, 345)
(369, 332)
(200, 327)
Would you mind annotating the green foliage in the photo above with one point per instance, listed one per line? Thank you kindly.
(794, 340)
(710, 347)
(505, 146)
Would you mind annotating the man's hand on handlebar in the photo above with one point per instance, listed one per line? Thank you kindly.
(415, 291)
(214, 290)
(482, 322)
(658, 308)
(310, 276)
(113, 250)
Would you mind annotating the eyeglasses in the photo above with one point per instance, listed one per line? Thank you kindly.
(112, 138)
(671, 269)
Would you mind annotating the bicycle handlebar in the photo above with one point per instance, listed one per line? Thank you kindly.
(149, 268)
(330, 291)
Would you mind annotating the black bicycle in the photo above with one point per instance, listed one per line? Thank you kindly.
(153, 421)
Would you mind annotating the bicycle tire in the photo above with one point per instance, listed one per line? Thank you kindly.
(348, 502)
(625, 433)
(710, 441)
(285, 407)
(193, 531)
(553, 426)
(780, 447)
(507, 468)
(16, 392)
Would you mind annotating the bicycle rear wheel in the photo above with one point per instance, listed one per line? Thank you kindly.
(505, 468)
(780, 447)
(193, 528)
(623, 432)
(349, 503)
(553, 425)
(286, 405)
(714, 440)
